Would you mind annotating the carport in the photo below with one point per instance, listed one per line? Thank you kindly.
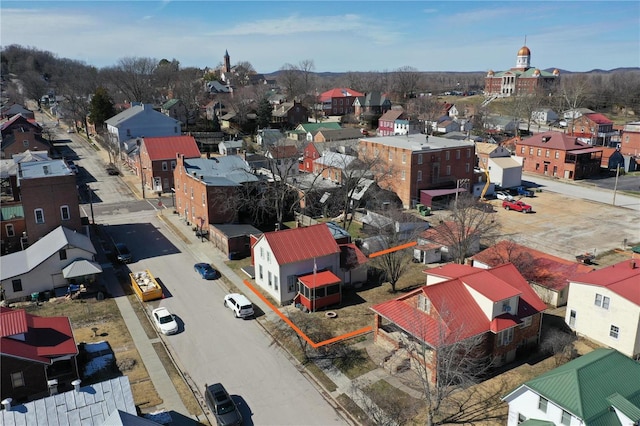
(428, 196)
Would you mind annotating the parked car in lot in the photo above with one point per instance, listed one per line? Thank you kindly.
(525, 192)
(165, 321)
(519, 206)
(222, 406)
(239, 304)
(502, 195)
(123, 253)
(112, 170)
(206, 271)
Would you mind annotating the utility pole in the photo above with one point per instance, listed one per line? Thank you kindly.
(615, 187)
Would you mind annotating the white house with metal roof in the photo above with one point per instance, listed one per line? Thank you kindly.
(54, 261)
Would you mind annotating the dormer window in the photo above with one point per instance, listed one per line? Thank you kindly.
(424, 304)
(506, 307)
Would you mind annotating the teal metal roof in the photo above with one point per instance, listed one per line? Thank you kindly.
(11, 212)
(583, 386)
(537, 422)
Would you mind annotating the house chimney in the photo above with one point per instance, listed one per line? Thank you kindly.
(633, 264)
(53, 386)
(76, 385)
(6, 403)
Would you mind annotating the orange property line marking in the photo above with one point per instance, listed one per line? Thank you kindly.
(392, 249)
(297, 330)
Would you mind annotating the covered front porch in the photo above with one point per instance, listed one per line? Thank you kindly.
(318, 290)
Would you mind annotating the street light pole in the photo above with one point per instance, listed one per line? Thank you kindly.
(615, 187)
(93, 222)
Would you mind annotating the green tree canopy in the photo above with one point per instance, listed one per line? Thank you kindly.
(101, 108)
(264, 113)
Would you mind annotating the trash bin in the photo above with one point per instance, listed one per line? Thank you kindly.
(35, 296)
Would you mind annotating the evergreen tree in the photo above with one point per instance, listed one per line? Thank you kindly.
(101, 108)
(264, 113)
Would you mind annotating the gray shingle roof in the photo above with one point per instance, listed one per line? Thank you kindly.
(21, 262)
(220, 171)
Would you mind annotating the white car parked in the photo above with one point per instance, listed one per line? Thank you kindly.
(239, 304)
(501, 195)
(165, 321)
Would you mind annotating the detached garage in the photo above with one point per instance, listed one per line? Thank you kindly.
(233, 239)
(428, 196)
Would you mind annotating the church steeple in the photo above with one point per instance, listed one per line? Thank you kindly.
(227, 61)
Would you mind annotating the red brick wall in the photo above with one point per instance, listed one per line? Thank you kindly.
(49, 194)
(535, 159)
(630, 143)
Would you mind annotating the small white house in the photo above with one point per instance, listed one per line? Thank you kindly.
(230, 147)
(544, 116)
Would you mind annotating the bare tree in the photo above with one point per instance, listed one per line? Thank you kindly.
(133, 77)
(560, 345)
(574, 93)
(79, 84)
(523, 106)
(426, 108)
(406, 81)
(465, 225)
(33, 85)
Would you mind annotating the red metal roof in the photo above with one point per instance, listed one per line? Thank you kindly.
(339, 92)
(12, 322)
(167, 147)
(438, 234)
(45, 338)
(598, 118)
(553, 140)
(320, 279)
(544, 269)
(622, 278)
(294, 245)
(455, 314)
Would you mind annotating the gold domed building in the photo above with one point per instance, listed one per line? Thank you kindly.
(523, 79)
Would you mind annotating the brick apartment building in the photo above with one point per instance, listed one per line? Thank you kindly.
(206, 188)
(47, 198)
(559, 155)
(410, 163)
(338, 101)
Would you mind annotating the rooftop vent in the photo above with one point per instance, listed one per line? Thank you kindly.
(76, 385)
(6, 403)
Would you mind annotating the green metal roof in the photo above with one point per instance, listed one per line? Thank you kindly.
(537, 422)
(313, 127)
(583, 386)
(527, 73)
(170, 103)
(628, 408)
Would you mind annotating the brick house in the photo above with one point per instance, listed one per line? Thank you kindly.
(387, 122)
(595, 127)
(158, 159)
(338, 101)
(47, 198)
(20, 134)
(459, 303)
(206, 188)
(410, 163)
(630, 139)
(371, 104)
(38, 355)
(559, 155)
(289, 114)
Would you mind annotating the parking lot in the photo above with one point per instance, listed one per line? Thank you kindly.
(566, 226)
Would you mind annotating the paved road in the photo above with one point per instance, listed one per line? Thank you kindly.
(213, 345)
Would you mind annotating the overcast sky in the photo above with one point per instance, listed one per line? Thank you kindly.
(337, 36)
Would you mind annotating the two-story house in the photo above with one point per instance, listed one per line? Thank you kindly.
(409, 164)
(158, 159)
(334, 166)
(604, 306)
(289, 114)
(407, 126)
(598, 388)
(559, 155)
(206, 188)
(306, 261)
(284, 160)
(338, 101)
(48, 198)
(306, 132)
(495, 310)
(372, 104)
(176, 109)
(139, 121)
(630, 139)
(387, 122)
(20, 134)
(594, 127)
(37, 354)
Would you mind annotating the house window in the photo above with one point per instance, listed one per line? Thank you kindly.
(275, 282)
(521, 418)
(404, 158)
(457, 154)
(390, 155)
(447, 154)
(467, 167)
(602, 301)
(542, 404)
(522, 150)
(269, 278)
(25, 143)
(557, 154)
(39, 214)
(165, 166)
(531, 151)
(539, 152)
(65, 213)
(261, 252)
(17, 285)
(291, 283)
(260, 272)
(546, 154)
(404, 175)
(128, 132)
(419, 158)
(185, 188)
(424, 304)
(448, 171)
(17, 379)
(566, 418)
(63, 254)
(268, 257)
(468, 153)
(614, 331)
(173, 165)
(572, 318)
(505, 337)
(419, 179)
(526, 322)
(192, 192)
(202, 198)
(10, 230)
